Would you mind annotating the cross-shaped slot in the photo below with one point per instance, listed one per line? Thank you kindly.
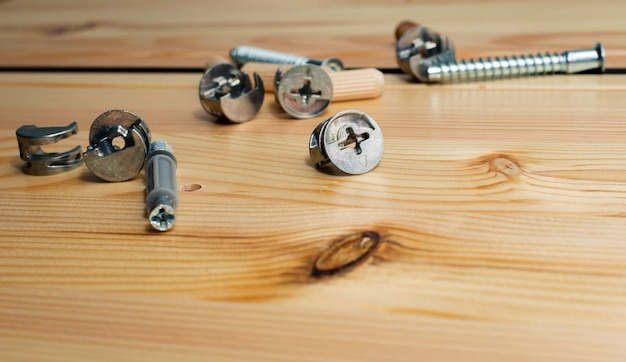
(354, 140)
(306, 92)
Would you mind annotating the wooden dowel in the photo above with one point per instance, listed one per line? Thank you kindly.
(347, 84)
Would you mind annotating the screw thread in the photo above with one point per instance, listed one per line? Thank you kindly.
(515, 66)
(244, 54)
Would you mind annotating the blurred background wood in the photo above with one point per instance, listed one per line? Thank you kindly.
(500, 205)
(184, 34)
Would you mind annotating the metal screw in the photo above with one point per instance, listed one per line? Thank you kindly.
(430, 57)
(572, 61)
(350, 140)
(244, 54)
(226, 91)
(304, 91)
(161, 191)
(119, 142)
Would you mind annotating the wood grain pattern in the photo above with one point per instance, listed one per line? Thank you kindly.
(500, 208)
(186, 33)
(77, 326)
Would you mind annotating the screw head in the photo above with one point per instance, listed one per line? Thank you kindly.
(119, 142)
(350, 140)
(162, 217)
(304, 91)
(420, 44)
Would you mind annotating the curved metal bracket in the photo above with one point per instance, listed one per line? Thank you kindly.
(41, 163)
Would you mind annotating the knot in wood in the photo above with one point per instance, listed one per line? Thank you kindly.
(505, 165)
(346, 253)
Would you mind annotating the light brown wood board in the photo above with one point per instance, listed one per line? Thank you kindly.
(184, 34)
(500, 208)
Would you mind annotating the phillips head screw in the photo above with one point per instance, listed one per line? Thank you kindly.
(161, 191)
(119, 142)
(304, 91)
(350, 140)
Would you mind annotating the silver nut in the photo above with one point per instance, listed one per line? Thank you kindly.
(304, 91)
(350, 140)
(119, 142)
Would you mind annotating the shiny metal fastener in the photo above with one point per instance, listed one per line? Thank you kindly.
(571, 61)
(119, 142)
(161, 192)
(41, 163)
(350, 140)
(245, 53)
(304, 91)
(430, 57)
(421, 45)
(226, 91)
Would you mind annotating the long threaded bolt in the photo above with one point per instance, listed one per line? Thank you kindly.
(573, 61)
(161, 192)
(245, 53)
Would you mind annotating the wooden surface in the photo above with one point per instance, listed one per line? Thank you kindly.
(172, 34)
(500, 206)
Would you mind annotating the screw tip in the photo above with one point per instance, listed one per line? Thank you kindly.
(601, 56)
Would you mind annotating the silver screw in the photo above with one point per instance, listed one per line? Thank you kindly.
(304, 91)
(350, 140)
(572, 61)
(430, 57)
(245, 53)
(161, 192)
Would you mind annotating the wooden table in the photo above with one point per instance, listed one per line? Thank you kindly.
(500, 205)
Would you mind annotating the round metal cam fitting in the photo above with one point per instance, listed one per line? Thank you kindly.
(304, 91)
(227, 92)
(119, 143)
(350, 140)
(420, 45)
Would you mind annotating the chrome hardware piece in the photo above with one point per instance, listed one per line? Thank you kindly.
(244, 54)
(161, 192)
(119, 142)
(41, 163)
(430, 57)
(421, 45)
(227, 92)
(304, 91)
(571, 61)
(350, 140)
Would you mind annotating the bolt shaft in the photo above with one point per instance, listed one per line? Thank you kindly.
(245, 53)
(573, 61)
(161, 192)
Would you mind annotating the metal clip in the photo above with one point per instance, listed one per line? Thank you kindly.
(41, 163)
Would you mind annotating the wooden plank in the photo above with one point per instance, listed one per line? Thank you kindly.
(58, 324)
(499, 206)
(186, 33)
